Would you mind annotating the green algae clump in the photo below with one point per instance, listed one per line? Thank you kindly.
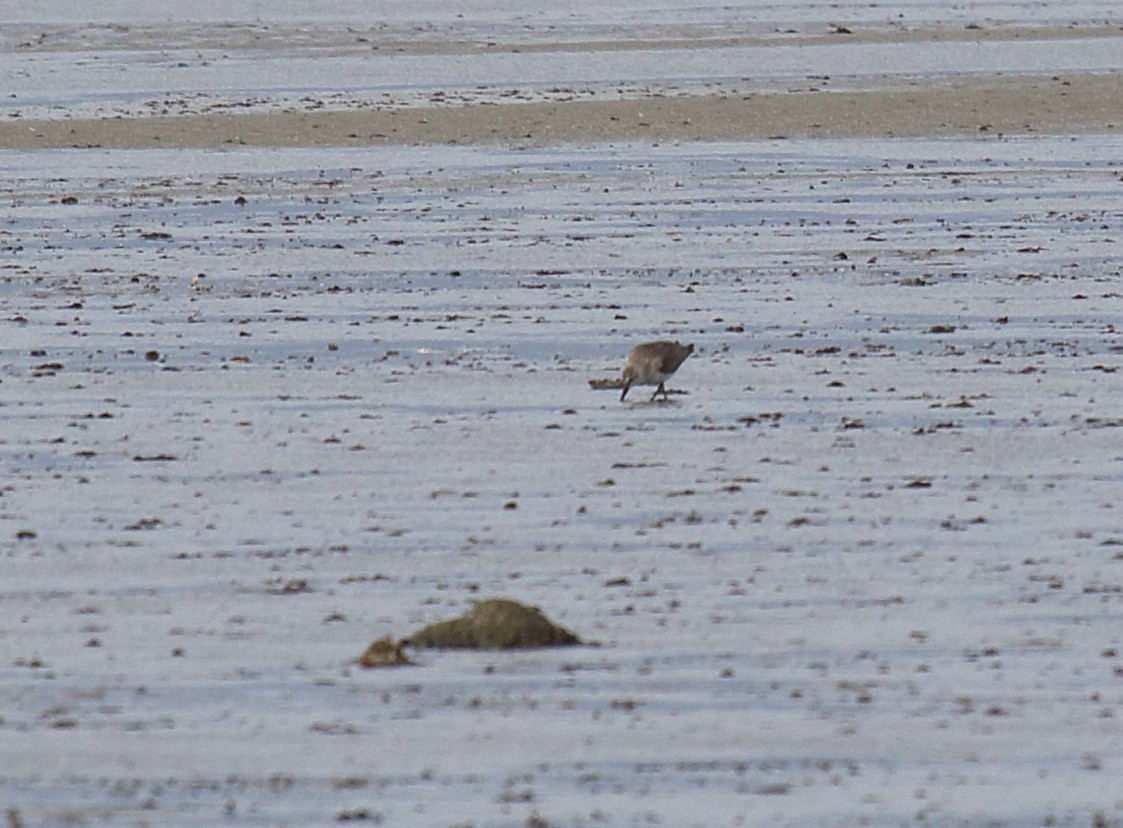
(494, 624)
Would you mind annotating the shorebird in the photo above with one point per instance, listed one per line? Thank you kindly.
(652, 363)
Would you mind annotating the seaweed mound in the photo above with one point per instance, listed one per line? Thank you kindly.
(494, 624)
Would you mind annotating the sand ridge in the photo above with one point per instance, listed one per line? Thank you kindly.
(978, 106)
(234, 36)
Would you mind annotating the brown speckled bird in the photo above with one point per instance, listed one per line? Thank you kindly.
(652, 363)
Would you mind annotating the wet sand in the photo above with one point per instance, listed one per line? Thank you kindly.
(263, 407)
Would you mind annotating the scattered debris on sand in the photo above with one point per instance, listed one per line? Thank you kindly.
(606, 383)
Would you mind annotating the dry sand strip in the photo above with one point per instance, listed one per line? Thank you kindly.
(968, 106)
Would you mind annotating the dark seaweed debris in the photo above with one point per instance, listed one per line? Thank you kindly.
(385, 652)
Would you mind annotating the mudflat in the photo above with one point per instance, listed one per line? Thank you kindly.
(301, 358)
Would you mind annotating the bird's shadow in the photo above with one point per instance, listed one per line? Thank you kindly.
(659, 401)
